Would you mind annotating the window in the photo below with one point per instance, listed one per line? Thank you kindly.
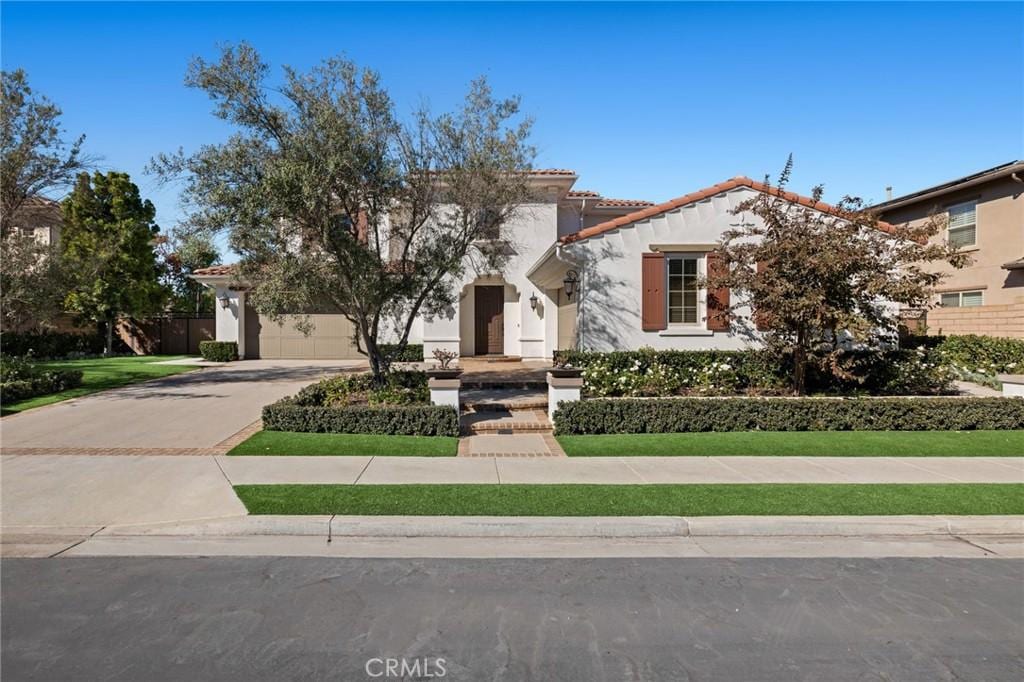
(963, 224)
(962, 299)
(682, 290)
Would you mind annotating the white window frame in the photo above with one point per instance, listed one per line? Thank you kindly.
(972, 202)
(701, 259)
(960, 298)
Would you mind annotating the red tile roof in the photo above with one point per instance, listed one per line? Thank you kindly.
(618, 203)
(215, 271)
(552, 171)
(583, 194)
(700, 195)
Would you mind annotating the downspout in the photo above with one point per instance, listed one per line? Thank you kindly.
(1016, 179)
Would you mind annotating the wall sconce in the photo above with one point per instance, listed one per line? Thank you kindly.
(572, 278)
(533, 301)
(225, 302)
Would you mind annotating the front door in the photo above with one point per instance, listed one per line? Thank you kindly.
(490, 320)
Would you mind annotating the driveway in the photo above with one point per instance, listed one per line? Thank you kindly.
(193, 410)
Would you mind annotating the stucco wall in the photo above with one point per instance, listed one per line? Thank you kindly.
(609, 308)
(1000, 238)
(990, 320)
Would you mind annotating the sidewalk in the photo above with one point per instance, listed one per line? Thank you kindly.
(622, 470)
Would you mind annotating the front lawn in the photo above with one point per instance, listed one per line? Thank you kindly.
(100, 374)
(635, 500)
(291, 443)
(800, 443)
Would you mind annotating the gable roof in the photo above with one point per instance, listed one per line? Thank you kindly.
(215, 271)
(700, 195)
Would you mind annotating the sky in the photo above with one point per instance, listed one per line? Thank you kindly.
(644, 101)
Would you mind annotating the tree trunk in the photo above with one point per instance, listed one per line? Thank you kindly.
(800, 364)
(108, 348)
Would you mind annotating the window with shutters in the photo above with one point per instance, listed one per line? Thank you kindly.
(962, 299)
(683, 298)
(963, 228)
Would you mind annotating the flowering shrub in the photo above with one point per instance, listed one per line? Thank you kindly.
(401, 388)
(650, 373)
(21, 378)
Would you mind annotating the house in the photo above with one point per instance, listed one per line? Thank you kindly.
(584, 271)
(985, 217)
(40, 218)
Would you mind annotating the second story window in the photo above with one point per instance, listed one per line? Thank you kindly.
(962, 299)
(963, 228)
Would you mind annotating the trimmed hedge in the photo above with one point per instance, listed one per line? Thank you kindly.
(52, 344)
(218, 351)
(20, 379)
(406, 420)
(413, 352)
(976, 353)
(674, 415)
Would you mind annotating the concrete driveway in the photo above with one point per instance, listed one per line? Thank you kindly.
(194, 410)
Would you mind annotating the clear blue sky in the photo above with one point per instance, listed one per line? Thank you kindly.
(646, 101)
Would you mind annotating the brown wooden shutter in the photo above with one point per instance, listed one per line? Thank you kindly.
(718, 298)
(652, 313)
(762, 320)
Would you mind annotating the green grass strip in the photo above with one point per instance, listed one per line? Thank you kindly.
(289, 443)
(801, 443)
(635, 500)
(101, 374)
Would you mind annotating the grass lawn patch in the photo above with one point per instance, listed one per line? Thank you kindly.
(292, 443)
(100, 374)
(800, 443)
(635, 500)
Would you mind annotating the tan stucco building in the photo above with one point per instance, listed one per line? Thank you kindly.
(985, 215)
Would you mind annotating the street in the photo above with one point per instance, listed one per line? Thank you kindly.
(267, 618)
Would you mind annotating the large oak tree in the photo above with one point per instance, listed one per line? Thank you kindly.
(334, 199)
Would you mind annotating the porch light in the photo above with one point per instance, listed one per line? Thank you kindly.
(224, 302)
(533, 301)
(572, 278)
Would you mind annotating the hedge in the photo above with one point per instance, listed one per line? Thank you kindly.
(412, 352)
(218, 351)
(975, 353)
(52, 344)
(406, 420)
(20, 378)
(659, 415)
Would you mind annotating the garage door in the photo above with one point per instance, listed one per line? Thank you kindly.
(332, 338)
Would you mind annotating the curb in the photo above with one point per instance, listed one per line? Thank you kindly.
(567, 527)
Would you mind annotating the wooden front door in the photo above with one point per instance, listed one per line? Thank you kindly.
(490, 320)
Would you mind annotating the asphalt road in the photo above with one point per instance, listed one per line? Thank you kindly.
(265, 618)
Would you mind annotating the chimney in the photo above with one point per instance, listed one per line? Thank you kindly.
(888, 193)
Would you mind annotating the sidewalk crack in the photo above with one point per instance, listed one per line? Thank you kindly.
(70, 547)
(497, 471)
(975, 544)
(368, 462)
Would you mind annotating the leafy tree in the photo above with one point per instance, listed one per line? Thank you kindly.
(822, 280)
(333, 201)
(109, 254)
(31, 282)
(181, 255)
(34, 157)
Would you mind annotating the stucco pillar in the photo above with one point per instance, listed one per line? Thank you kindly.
(231, 319)
(562, 389)
(444, 391)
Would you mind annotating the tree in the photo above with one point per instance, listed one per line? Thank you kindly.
(181, 254)
(109, 255)
(31, 282)
(34, 157)
(821, 279)
(333, 201)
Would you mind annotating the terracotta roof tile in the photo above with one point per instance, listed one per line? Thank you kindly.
(700, 195)
(617, 203)
(215, 271)
(583, 194)
(552, 171)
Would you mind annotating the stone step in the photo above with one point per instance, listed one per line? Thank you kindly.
(503, 383)
(505, 421)
(483, 399)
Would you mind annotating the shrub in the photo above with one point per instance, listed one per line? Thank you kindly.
(218, 351)
(787, 414)
(987, 354)
(401, 388)
(411, 420)
(50, 344)
(648, 372)
(20, 378)
(412, 352)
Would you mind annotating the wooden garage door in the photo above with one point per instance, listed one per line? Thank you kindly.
(332, 338)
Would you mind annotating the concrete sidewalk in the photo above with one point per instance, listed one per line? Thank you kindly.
(622, 470)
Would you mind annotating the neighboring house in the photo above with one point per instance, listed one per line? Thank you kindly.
(985, 216)
(40, 218)
(584, 271)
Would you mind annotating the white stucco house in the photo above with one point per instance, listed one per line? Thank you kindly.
(584, 271)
